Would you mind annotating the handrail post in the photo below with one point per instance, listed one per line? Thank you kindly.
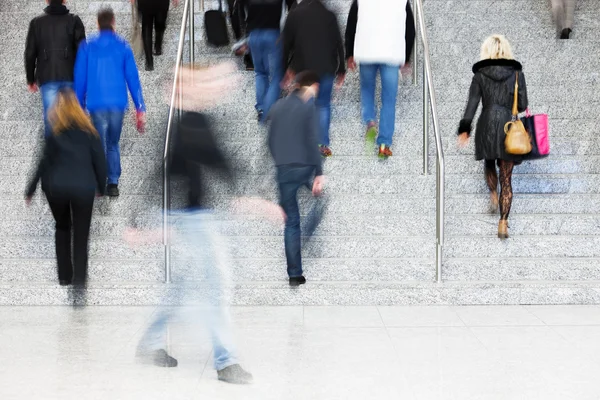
(415, 52)
(166, 192)
(425, 123)
(192, 37)
(440, 162)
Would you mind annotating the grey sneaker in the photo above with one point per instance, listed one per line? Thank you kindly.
(160, 358)
(235, 374)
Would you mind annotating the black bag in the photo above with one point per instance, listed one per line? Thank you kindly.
(216, 27)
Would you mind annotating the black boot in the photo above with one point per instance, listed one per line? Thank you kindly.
(147, 38)
(565, 33)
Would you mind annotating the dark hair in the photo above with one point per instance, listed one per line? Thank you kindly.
(56, 2)
(307, 78)
(106, 19)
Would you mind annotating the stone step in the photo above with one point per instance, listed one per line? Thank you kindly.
(279, 294)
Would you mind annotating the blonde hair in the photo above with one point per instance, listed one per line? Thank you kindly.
(495, 47)
(66, 113)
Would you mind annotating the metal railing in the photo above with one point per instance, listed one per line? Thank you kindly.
(187, 19)
(429, 101)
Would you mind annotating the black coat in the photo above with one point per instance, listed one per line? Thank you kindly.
(51, 47)
(73, 165)
(493, 84)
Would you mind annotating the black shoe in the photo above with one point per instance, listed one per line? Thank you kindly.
(297, 281)
(64, 282)
(565, 33)
(149, 67)
(112, 190)
(235, 374)
(260, 115)
(160, 358)
(157, 52)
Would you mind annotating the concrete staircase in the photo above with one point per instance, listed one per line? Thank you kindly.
(377, 242)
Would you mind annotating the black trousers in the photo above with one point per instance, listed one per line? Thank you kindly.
(153, 18)
(73, 216)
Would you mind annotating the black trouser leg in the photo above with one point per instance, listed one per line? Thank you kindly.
(160, 24)
(62, 216)
(147, 23)
(82, 218)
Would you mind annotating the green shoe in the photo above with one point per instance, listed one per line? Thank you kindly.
(370, 138)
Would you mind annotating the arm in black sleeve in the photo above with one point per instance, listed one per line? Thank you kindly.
(78, 33)
(30, 53)
(339, 44)
(410, 32)
(312, 144)
(288, 39)
(351, 29)
(235, 18)
(99, 163)
(472, 104)
(290, 3)
(523, 101)
(41, 168)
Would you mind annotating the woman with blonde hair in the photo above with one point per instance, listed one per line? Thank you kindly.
(493, 85)
(72, 170)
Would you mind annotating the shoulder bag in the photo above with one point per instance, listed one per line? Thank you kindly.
(517, 140)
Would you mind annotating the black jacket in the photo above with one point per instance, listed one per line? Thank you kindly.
(293, 133)
(261, 14)
(353, 21)
(312, 40)
(51, 47)
(73, 165)
(493, 84)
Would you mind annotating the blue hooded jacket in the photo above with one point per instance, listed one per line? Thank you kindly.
(104, 69)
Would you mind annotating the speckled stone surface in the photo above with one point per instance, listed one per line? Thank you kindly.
(376, 244)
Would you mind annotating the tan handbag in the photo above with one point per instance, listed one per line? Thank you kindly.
(518, 141)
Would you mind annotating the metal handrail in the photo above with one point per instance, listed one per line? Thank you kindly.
(429, 97)
(188, 17)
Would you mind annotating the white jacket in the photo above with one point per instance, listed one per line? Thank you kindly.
(380, 32)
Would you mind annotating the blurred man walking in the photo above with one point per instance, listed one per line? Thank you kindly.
(50, 51)
(104, 69)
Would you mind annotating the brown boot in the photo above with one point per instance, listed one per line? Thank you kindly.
(503, 229)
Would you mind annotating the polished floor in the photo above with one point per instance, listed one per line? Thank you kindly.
(313, 353)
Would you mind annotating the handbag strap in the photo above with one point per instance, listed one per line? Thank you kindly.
(221, 5)
(515, 109)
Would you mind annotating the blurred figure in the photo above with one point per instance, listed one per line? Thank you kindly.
(564, 14)
(312, 42)
(72, 170)
(195, 225)
(293, 144)
(493, 84)
(50, 51)
(380, 37)
(262, 22)
(154, 16)
(240, 48)
(104, 69)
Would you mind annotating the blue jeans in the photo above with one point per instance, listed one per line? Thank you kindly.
(290, 179)
(109, 125)
(197, 232)
(389, 93)
(323, 103)
(49, 92)
(265, 48)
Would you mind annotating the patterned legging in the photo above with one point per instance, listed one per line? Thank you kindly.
(564, 11)
(491, 177)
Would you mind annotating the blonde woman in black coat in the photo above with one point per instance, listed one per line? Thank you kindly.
(493, 85)
(72, 170)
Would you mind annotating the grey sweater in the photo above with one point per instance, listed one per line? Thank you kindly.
(293, 133)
